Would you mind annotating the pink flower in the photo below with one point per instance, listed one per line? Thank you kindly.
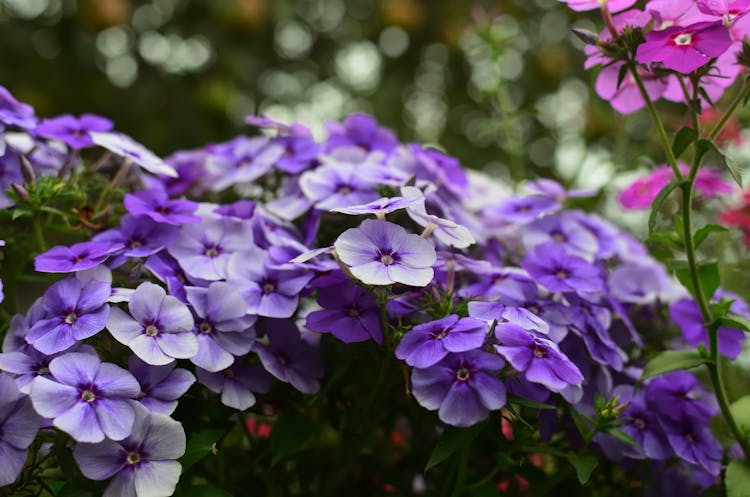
(612, 5)
(727, 10)
(685, 49)
(627, 98)
(641, 193)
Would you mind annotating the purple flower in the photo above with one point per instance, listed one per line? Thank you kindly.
(268, 291)
(641, 281)
(685, 49)
(383, 253)
(131, 150)
(692, 440)
(222, 325)
(379, 207)
(428, 343)
(460, 387)
(74, 311)
(141, 237)
(677, 394)
(167, 270)
(350, 313)
(445, 230)
(242, 160)
(539, 359)
(360, 130)
(28, 363)
(19, 424)
(687, 315)
(558, 271)
(157, 205)
(87, 399)
(562, 230)
(159, 330)
(161, 386)
(143, 464)
(338, 184)
(522, 210)
(203, 250)
(288, 357)
(76, 132)
(15, 113)
(237, 384)
(642, 425)
(78, 257)
(499, 311)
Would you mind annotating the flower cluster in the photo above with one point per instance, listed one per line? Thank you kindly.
(488, 297)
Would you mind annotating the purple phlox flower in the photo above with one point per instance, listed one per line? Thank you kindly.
(692, 441)
(15, 113)
(141, 237)
(130, 150)
(687, 315)
(74, 311)
(522, 210)
(15, 335)
(379, 207)
(612, 241)
(144, 464)
(268, 290)
(612, 5)
(499, 311)
(222, 325)
(190, 166)
(462, 387)
(241, 209)
(360, 130)
(592, 322)
(625, 96)
(28, 363)
(538, 358)
(203, 250)
(72, 130)
(454, 261)
(168, 271)
(77, 257)
(87, 399)
(565, 231)
(304, 259)
(157, 205)
(642, 281)
(19, 424)
(158, 330)
(439, 168)
(685, 49)
(558, 271)
(9, 173)
(288, 357)
(338, 183)
(161, 386)
(445, 230)
(242, 160)
(350, 313)
(555, 190)
(511, 283)
(677, 394)
(291, 202)
(428, 343)
(264, 121)
(383, 253)
(300, 153)
(237, 384)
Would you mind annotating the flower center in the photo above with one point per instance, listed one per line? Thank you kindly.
(463, 374)
(71, 318)
(133, 458)
(683, 39)
(205, 327)
(562, 273)
(353, 312)
(211, 251)
(558, 236)
(268, 287)
(639, 423)
(442, 334)
(152, 330)
(134, 244)
(88, 396)
(539, 352)
(344, 189)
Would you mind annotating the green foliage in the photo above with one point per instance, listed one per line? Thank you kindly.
(738, 479)
(584, 464)
(453, 440)
(672, 360)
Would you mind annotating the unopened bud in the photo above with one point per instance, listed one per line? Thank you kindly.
(22, 193)
(743, 56)
(586, 36)
(29, 176)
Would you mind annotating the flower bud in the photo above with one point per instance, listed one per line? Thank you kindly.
(27, 171)
(586, 36)
(22, 193)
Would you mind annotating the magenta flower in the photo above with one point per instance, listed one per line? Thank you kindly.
(612, 5)
(685, 49)
(625, 97)
(642, 192)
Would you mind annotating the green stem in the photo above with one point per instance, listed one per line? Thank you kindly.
(38, 233)
(671, 159)
(742, 95)
(386, 356)
(119, 176)
(463, 461)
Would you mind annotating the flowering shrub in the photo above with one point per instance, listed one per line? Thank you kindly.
(181, 293)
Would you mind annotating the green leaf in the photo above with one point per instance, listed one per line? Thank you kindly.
(75, 488)
(199, 446)
(703, 233)
(584, 466)
(737, 479)
(290, 435)
(741, 412)
(200, 491)
(685, 136)
(660, 198)
(19, 213)
(582, 422)
(515, 399)
(734, 321)
(621, 74)
(672, 360)
(453, 440)
(726, 161)
(622, 436)
(708, 273)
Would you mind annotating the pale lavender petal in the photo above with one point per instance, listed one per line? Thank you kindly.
(80, 422)
(157, 478)
(100, 461)
(178, 345)
(51, 398)
(115, 417)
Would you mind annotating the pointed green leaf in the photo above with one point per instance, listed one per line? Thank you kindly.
(453, 440)
(726, 161)
(703, 233)
(708, 273)
(737, 479)
(734, 321)
(515, 399)
(672, 360)
(740, 409)
(660, 198)
(290, 435)
(622, 436)
(199, 446)
(584, 466)
(685, 136)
